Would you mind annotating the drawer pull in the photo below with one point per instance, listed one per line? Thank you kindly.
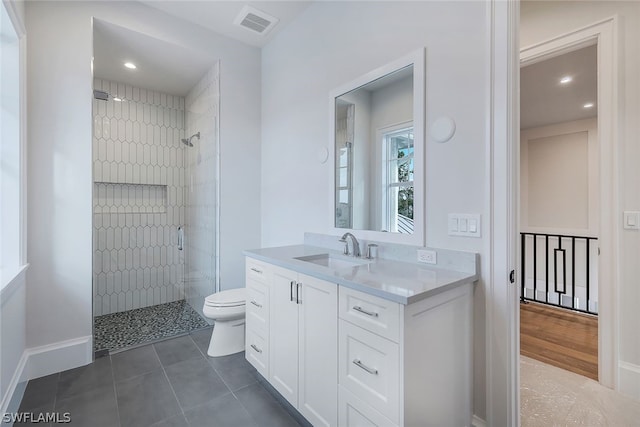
(359, 364)
(256, 270)
(256, 304)
(253, 346)
(363, 311)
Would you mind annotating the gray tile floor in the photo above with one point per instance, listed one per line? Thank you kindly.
(170, 383)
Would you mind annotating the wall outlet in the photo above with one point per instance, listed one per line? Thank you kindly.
(426, 256)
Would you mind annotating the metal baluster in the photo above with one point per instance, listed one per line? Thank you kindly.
(587, 277)
(523, 258)
(573, 272)
(546, 293)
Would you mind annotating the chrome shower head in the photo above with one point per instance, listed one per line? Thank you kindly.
(187, 141)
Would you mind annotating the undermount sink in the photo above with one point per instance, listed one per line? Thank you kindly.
(334, 261)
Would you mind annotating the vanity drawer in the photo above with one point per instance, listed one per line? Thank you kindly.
(257, 304)
(354, 412)
(374, 314)
(257, 350)
(368, 366)
(257, 270)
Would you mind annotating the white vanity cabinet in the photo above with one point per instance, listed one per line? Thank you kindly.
(302, 342)
(347, 358)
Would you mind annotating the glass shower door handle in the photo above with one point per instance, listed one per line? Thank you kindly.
(180, 238)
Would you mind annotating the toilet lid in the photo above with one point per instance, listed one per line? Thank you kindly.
(230, 298)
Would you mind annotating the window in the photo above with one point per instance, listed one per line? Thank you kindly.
(398, 159)
(10, 150)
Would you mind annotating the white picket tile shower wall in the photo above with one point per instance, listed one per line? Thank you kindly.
(138, 164)
(202, 201)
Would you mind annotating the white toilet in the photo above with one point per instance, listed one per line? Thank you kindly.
(227, 309)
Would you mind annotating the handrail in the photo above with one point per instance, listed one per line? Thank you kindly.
(558, 250)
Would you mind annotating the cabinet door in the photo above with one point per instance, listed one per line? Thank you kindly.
(283, 335)
(318, 351)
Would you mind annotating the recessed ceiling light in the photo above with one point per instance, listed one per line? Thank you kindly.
(130, 65)
(566, 79)
(588, 105)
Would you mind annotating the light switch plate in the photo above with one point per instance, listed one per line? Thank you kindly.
(464, 225)
(631, 220)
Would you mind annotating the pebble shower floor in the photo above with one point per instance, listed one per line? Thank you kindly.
(117, 331)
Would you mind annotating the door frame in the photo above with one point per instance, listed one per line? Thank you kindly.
(501, 181)
(603, 34)
(502, 318)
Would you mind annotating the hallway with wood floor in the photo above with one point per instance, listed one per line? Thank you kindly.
(561, 338)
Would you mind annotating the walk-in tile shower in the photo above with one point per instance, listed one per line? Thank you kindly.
(155, 169)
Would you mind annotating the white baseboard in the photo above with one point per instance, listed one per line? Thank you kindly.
(478, 422)
(15, 391)
(60, 356)
(629, 379)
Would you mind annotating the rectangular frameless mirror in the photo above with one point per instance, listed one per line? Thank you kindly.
(378, 147)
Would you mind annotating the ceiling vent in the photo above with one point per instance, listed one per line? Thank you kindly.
(255, 20)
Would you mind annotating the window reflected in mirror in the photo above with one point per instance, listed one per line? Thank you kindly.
(398, 164)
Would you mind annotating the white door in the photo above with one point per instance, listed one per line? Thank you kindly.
(318, 351)
(283, 338)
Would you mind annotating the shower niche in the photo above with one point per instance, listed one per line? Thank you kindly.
(126, 198)
(155, 188)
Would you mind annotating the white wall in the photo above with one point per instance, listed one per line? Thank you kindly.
(559, 178)
(331, 44)
(543, 20)
(60, 49)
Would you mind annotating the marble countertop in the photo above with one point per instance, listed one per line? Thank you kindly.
(397, 281)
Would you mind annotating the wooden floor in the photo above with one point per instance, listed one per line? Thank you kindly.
(560, 338)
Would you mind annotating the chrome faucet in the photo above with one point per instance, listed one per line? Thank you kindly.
(356, 245)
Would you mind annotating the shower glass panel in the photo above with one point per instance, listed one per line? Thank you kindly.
(201, 190)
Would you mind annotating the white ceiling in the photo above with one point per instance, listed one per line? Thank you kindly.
(175, 69)
(162, 66)
(544, 101)
(218, 16)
